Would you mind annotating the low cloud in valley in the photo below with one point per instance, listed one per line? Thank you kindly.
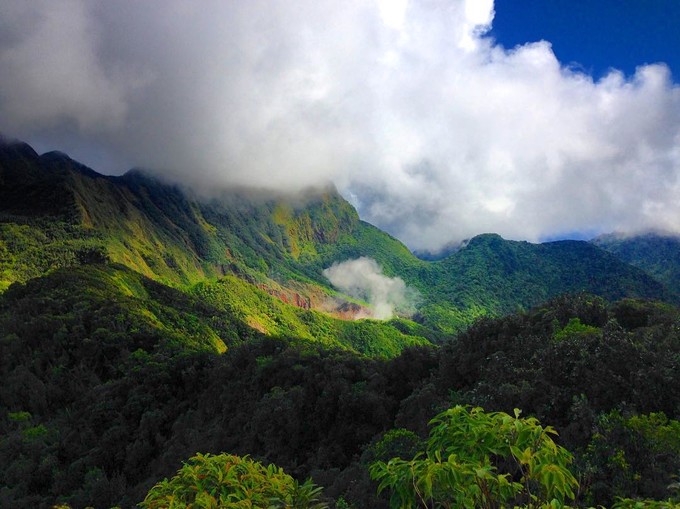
(363, 279)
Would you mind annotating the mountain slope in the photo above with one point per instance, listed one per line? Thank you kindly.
(658, 254)
(57, 213)
(165, 233)
(493, 276)
(102, 302)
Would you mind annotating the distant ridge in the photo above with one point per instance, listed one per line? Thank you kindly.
(657, 253)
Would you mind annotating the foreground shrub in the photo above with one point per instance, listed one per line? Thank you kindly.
(476, 459)
(228, 481)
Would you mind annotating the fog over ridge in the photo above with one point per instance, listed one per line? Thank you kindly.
(432, 129)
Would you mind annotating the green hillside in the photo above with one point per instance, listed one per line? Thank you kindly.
(273, 317)
(657, 254)
(96, 299)
(492, 276)
(162, 232)
(57, 213)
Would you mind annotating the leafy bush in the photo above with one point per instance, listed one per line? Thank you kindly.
(229, 481)
(636, 456)
(478, 459)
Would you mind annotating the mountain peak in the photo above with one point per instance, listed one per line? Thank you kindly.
(16, 149)
(55, 155)
(485, 238)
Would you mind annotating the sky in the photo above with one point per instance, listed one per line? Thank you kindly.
(595, 36)
(438, 120)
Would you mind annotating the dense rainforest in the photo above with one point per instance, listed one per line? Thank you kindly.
(141, 325)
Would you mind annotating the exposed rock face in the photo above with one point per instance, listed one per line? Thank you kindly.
(289, 297)
(311, 298)
(350, 311)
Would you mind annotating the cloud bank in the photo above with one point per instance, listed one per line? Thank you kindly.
(432, 129)
(363, 279)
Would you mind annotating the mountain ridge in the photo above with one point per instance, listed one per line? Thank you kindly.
(655, 252)
(139, 325)
(53, 204)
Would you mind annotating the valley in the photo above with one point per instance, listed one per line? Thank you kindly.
(142, 323)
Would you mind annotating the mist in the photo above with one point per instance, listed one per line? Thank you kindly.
(363, 279)
(429, 127)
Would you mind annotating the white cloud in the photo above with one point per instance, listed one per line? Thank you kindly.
(478, 17)
(362, 278)
(392, 12)
(436, 131)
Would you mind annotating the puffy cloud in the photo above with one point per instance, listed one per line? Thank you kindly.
(363, 279)
(436, 132)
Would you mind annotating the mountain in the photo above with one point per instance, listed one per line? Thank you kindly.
(141, 323)
(57, 213)
(658, 254)
(493, 276)
(170, 235)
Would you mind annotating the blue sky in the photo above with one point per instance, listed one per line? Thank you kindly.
(438, 119)
(597, 34)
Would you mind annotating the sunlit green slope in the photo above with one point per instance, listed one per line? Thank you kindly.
(106, 304)
(56, 213)
(493, 276)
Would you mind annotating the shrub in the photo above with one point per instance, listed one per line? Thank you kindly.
(228, 481)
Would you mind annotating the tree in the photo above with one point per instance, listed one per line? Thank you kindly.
(228, 481)
(475, 459)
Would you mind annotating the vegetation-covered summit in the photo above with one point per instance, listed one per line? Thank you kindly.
(54, 212)
(656, 253)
